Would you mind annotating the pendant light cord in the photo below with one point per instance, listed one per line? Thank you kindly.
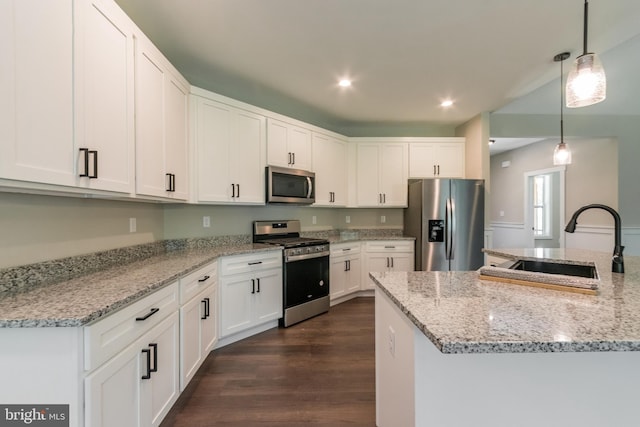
(561, 104)
(586, 22)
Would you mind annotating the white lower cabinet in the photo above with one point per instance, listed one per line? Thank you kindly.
(137, 386)
(387, 256)
(198, 320)
(250, 291)
(345, 269)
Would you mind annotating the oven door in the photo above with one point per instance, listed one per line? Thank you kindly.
(306, 278)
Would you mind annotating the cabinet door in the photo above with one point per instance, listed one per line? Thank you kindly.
(402, 262)
(277, 147)
(161, 125)
(450, 159)
(104, 84)
(338, 277)
(374, 263)
(209, 325)
(268, 296)
(288, 145)
(393, 174)
(112, 392)
(190, 339)
(422, 163)
(329, 156)
(354, 275)
(236, 304)
(368, 175)
(161, 391)
(247, 150)
(436, 159)
(299, 140)
(36, 83)
(213, 130)
(176, 135)
(150, 141)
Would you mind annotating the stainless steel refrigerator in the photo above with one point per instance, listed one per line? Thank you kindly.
(446, 216)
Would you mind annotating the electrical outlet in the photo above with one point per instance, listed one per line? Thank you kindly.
(383, 219)
(347, 219)
(392, 342)
(501, 213)
(314, 219)
(132, 225)
(206, 221)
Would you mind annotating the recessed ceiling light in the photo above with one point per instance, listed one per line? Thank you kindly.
(446, 103)
(344, 83)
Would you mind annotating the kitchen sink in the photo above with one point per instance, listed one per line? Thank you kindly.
(578, 270)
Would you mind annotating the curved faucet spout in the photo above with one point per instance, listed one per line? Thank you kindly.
(617, 265)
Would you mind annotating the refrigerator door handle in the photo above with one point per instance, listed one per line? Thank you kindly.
(449, 229)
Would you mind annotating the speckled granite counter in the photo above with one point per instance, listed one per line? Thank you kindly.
(80, 300)
(354, 235)
(461, 314)
(77, 290)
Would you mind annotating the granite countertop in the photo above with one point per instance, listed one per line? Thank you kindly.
(340, 239)
(74, 291)
(83, 299)
(460, 313)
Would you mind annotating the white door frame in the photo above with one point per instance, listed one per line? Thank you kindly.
(528, 217)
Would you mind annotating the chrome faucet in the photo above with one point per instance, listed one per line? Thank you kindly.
(617, 265)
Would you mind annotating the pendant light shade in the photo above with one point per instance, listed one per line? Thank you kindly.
(587, 82)
(561, 154)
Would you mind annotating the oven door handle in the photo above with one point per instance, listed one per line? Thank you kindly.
(293, 258)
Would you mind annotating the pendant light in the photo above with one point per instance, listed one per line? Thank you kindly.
(561, 154)
(586, 83)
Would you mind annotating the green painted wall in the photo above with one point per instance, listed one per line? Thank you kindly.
(624, 129)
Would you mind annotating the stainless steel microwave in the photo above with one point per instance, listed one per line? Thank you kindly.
(286, 185)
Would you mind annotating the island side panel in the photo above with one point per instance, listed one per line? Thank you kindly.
(526, 389)
(42, 366)
(394, 365)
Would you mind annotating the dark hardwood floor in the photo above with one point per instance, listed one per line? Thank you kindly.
(320, 372)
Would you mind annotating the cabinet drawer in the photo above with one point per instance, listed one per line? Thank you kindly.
(389, 246)
(341, 249)
(252, 262)
(197, 281)
(108, 336)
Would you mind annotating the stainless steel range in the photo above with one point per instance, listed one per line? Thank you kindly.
(306, 269)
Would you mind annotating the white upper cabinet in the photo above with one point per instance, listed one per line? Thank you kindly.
(104, 97)
(288, 145)
(36, 87)
(161, 125)
(381, 174)
(438, 158)
(229, 152)
(330, 166)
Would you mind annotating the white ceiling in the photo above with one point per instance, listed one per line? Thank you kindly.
(404, 56)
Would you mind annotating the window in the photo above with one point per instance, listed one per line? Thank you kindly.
(542, 205)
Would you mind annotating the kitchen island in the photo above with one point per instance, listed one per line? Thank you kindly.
(454, 350)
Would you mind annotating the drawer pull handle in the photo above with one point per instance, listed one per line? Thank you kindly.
(346, 249)
(149, 314)
(253, 286)
(255, 263)
(206, 303)
(147, 351)
(155, 357)
(204, 279)
(389, 247)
